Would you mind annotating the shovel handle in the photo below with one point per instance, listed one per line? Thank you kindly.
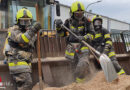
(95, 56)
(39, 51)
(90, 47)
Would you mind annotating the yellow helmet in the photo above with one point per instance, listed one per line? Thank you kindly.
(97, 17)
(23, 13)
(76, 6)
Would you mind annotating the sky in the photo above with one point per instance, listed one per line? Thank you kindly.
(116, 9)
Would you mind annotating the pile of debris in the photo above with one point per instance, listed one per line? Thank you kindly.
(98, 83)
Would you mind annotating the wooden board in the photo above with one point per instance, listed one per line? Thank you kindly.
(47, 74)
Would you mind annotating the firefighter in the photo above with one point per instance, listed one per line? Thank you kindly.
(19, 47)
(103, 42)
(76, 51)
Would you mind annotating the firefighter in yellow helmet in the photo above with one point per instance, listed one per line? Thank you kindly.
(19, 47)
(103, 42)
(76, 51)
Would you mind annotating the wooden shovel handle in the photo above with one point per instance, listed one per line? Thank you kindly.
(39, 52)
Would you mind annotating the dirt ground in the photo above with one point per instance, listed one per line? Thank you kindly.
(97, 83)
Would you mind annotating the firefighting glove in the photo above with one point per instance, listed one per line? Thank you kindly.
(87, 37)
(105, 51)
(58, 23)
(106, 48)
(36, 27)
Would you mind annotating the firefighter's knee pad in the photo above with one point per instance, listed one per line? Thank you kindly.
(83, 64)
(81, 68)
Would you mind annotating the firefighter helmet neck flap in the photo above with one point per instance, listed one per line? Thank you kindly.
(24, 18)
(97, 22)
(77, 10)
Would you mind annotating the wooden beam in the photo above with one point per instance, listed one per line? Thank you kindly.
(122, 55)
(63, 59)
(3, 30)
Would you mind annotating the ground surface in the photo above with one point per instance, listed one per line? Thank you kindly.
(97, 83)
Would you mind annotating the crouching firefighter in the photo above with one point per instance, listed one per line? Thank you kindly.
(103, 43)
(19, 46)
(76, 51)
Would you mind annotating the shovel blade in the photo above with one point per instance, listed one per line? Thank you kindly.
(108, 68)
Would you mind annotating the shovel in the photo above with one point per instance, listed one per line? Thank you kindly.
(105, 62)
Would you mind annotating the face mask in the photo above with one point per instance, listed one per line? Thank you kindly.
(78, 15)
(97, 25)
(25, 22)
(97, 22)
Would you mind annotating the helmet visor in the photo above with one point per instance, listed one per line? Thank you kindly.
(25, 21)
(97, 22)
(79, 14)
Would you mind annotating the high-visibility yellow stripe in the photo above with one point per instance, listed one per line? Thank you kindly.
(17, 64)
(9, 34)
(58, 28)
(89, 35)
(78, 27)
(109, 42)
(83, 48)
(68, 53)
(107, 36)
(92, 36)
(121, 72)
(25, 38)
(81, 27)
(98, 35)
(106, 49)
(61, 34)
(72, 27)
(111, 54)
(79, 80)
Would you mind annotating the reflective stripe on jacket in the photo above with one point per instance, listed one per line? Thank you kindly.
(102, 37)
(20, 66)
(70, 51)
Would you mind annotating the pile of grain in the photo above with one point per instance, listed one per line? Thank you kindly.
(98, 83)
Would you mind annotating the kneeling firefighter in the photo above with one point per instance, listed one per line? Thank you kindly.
(103, 43)
(19, 47)
(76, 51)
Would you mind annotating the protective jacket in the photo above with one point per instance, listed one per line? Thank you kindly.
(80, 28)
(18, 49)
(101, 40)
